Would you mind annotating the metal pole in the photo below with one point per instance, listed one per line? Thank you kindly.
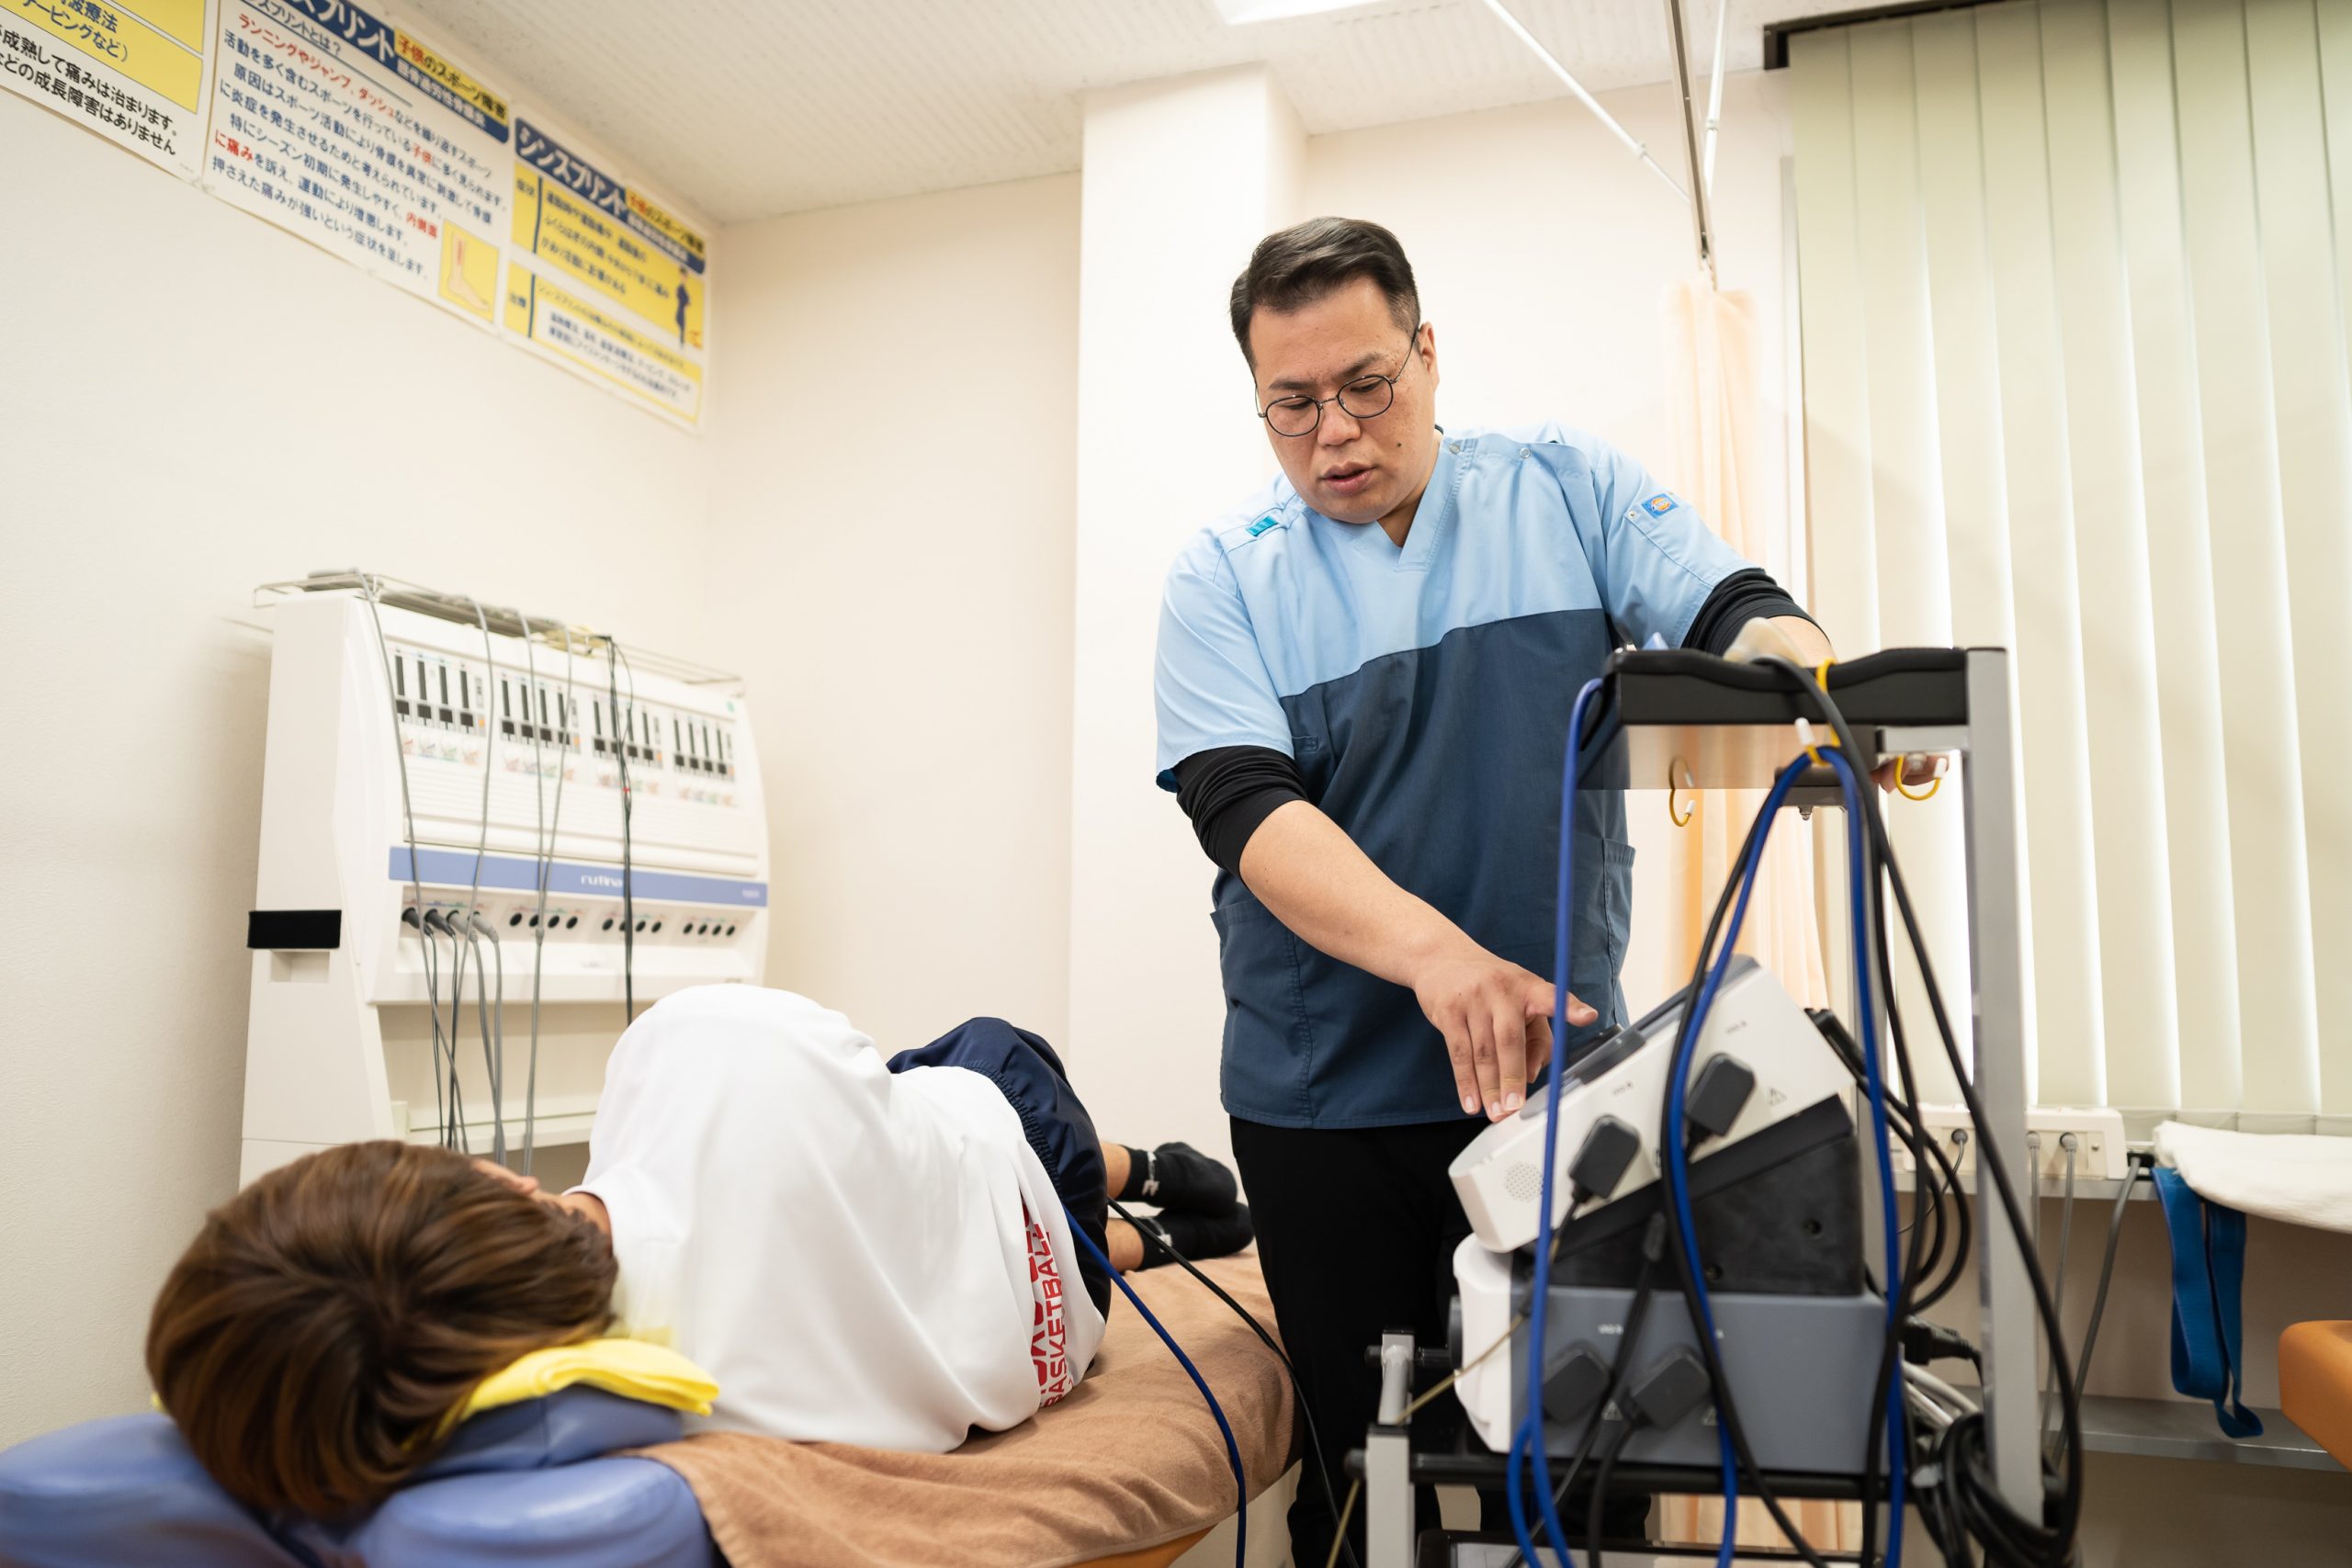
(1699, 229)
(1388, 1528)
(1714, 102)
(1551, 65)
(1995, 963)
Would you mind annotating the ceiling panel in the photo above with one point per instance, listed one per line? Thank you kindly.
(745, 109)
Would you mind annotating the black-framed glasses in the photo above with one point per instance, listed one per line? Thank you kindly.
(1367, 397)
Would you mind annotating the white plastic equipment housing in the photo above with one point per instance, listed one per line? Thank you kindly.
(1498, 1175)
(334, 838)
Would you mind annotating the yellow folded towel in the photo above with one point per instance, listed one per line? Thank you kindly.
(631, 1368)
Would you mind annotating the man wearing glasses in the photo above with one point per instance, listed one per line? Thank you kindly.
(1363, 684)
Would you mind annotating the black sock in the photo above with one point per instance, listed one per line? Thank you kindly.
(1178, 1176)
(1196, 1237)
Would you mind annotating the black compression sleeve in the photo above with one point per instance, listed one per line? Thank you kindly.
(1229, 790)
(1744, 596)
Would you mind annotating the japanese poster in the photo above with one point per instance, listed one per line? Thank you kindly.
(133, 71)
(606, 277)
(350, 131)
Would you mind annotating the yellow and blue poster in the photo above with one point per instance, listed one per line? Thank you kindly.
(133, 71)
(604, 277)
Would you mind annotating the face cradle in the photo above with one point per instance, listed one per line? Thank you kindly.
(1352, 469)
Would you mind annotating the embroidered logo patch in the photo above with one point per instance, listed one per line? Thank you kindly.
(1659, 505)
(1260, 526)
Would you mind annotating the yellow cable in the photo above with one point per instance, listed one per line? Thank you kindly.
(1347, 1511)
(1820, 679)
(1682, 818)
(1903, 790)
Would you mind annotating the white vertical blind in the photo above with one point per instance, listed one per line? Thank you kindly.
(1907, 502)
(2172, 474)
(2076, 328)
(1836, 383)
(2313, 415)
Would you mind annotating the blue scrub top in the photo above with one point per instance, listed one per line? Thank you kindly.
(1424, 694)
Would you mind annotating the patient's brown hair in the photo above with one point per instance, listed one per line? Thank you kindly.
(328, 1317)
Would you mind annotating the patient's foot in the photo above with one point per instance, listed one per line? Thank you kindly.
(1194, 1237)
(1177, 1176)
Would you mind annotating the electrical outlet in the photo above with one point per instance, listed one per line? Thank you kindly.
(2100, 1152)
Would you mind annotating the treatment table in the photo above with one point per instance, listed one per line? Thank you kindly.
(1129, 1469)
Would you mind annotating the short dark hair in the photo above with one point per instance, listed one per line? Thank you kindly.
(314, 1341)
(1300, 264)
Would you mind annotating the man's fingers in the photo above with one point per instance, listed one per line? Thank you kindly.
(1482, 1057)
(1510, 1046)
(1541, 996)
(1539, 1044)
(1465, 1082)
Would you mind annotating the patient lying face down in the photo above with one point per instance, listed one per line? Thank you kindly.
(885, 1254)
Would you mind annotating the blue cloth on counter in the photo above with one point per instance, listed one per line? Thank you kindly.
(2208, 1279)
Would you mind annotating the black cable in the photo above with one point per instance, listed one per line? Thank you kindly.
(547, 829)
(1981, 1500)
(483, 930)
(1634, 1313)
(492, 1071)
(1945, 1193)
(629, 894)
(463, 924)
(1594, 1515)
(1306, 1411)
(1908, 1304)
(438, 924)
(1939, 1187)
(2072, 1144)
(414, 915)
(2060, 1537)
(2106, 1272)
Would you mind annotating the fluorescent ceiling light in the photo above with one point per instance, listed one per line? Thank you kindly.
(1237, 11)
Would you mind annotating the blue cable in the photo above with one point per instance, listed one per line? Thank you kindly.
(1678, 1155)
(1527, 1441)
(1678, 1171)
(1232, 1448)
(1897, 1478)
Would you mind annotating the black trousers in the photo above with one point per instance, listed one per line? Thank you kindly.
(1356, 1231)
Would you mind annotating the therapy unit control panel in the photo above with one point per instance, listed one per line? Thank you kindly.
(434, 766)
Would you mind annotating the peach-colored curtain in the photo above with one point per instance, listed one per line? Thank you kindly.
(1720, 428)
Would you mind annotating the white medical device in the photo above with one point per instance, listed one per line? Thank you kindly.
(1752, 1021)
(1784, 1068)
(380, 744)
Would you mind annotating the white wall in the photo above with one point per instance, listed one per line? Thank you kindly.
(192, 403)
(1543, 251)
(892, 433)
(1182, 178)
